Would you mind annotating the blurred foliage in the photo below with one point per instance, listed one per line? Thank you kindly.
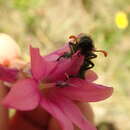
(47, 24)
(24, 5)
(106, 126)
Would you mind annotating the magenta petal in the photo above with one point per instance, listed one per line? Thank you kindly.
(77, 61)
(57, 113)
(53, 57)
(84, 91)
(56, 54)
(7, 74)
(73, 113)
(39, 66)
(90, 75)
(66, 66)
(23, 95)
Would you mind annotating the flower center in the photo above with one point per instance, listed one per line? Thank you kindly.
(46, 86)
(42, 86)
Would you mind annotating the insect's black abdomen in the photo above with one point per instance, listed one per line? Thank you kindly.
(85, 45)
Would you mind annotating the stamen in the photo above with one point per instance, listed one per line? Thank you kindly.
(102, 51)
(62, 84)
(73, 38)
(67, 76)
(45, 86)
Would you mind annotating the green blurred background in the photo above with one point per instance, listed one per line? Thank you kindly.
(48, 24)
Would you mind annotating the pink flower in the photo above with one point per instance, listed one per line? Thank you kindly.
(7, 74)
(45, 88)
(65, 66)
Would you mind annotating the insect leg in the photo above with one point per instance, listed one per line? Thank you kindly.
(91, 64)
(65, 55)
(92, 56)
(71, 46)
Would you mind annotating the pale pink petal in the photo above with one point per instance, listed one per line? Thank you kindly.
(84, 91)
(90, 75)
(53, 57)
(56, 54)
(39, 66)
(7, 74)
(57, 113)
(65, 67)
(73, 112)
(24, 95)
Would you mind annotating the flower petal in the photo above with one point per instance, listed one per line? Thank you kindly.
(56, 54)
(73, 113)
(57, 113)
(23, 95)
(84, 91)
(66, 66)
(7, 74)
(90, 75)
(39, 66)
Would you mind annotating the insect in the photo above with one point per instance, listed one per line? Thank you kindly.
(73, 48)
(83, 44)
